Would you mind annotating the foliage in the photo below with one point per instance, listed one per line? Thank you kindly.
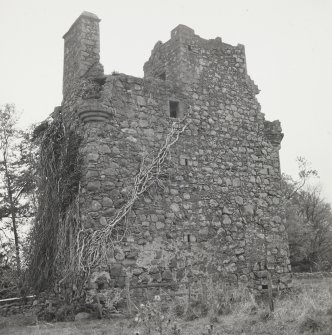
(72, 251)
(8, 275)
(308, 223)
(309, 227)
(215, 301)
(305, 309)
(155, 316)
(16, 178)
(305, 173)
(222, 299)
(58, 170)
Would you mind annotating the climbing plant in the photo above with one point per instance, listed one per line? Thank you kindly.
(58, 172)
(63, 251)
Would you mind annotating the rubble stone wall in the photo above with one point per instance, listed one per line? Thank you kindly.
(81, 50)
(216, 209)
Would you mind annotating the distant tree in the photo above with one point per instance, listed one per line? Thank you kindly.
(16, 176)
(316, 221)
(292, 186)
(308, 223)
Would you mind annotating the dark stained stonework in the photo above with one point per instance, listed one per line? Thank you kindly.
(219, 211)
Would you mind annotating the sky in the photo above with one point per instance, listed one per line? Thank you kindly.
(288, 48)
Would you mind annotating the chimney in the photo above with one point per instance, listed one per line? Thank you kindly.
(81, 51)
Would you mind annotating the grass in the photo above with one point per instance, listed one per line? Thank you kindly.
(305, 310)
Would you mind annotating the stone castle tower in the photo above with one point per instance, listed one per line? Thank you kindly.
(215, 209)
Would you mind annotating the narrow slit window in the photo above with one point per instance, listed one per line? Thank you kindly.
(188, 238)
(186, 162)
(189, 47)
(174, 109)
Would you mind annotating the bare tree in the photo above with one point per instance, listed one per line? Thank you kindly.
(15, 176)
(290, 186)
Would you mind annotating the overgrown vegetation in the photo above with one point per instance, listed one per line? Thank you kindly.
(307, 309)
(59, 174)
(309, 222)
(234, 310)
(17, 204)
(72, 251)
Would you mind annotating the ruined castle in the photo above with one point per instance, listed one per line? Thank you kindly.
(215, 208)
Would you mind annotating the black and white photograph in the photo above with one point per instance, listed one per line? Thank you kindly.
(166, 167)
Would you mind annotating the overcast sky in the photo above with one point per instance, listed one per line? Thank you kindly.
(288, 48)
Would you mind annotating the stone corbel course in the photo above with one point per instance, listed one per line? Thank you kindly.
(90, 112)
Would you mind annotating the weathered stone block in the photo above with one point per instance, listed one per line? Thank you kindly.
(248, 210)
(104, 148)
(167, 275)
(226, 220)
(95, 205)
(93, 186)
(239, 200)
(107, 202)
(236, 182)
(213, 203)
(92, 157)
(175, 207)
(160, 225)
(103, 221)
(92, 173)
(141, 101)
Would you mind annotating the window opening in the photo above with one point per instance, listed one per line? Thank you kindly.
(189, 47)
(188, 237)
(186, 162)
(264, 287)
(174, 109)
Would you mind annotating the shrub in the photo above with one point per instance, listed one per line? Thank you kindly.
(310, 325)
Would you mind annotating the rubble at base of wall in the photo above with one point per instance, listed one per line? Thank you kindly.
(55, 307)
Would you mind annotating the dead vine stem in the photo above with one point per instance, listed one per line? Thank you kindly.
(93, 247)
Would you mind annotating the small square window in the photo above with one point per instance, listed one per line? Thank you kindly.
(174, 109)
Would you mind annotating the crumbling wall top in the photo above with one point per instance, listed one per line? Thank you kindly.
(85, 14)
(82, 51)
(182, 31)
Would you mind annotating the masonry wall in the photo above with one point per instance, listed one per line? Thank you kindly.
(216, 211)
(81, 51)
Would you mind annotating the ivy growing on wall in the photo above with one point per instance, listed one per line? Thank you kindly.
(59, 173)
